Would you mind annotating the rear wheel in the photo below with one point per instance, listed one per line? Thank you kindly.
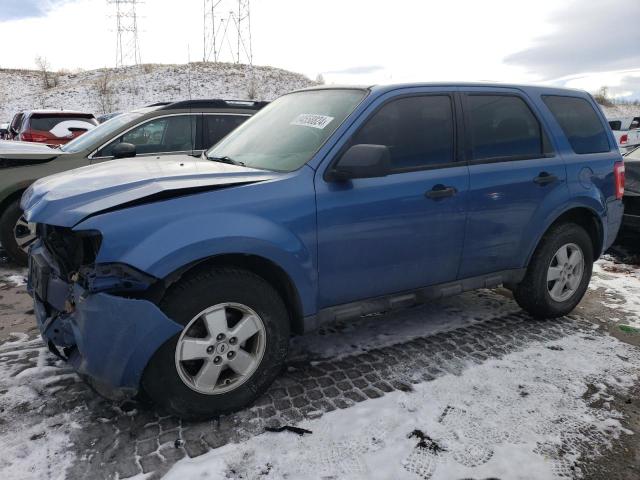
(233, 344)
(558, 274)
(16, 234)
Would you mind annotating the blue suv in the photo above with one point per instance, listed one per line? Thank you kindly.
(183, 278)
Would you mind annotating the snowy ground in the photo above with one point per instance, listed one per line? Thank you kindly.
(467, 387)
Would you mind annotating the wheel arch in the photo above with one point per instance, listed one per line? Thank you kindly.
(583, 216)
(265, 268)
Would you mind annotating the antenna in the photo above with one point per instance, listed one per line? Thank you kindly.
(127, 41)
(226, 34)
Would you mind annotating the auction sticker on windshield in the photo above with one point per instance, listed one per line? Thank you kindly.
(312, 120)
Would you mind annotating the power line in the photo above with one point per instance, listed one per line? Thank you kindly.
(127, 40)
(226, 34)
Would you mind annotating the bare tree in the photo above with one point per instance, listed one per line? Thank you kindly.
(45, 74)
(602, 97)
(253, 88)
(320, 79)
(105, 92)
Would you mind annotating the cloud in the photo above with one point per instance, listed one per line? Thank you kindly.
(361, 70)
(19, 9)
(587, 37)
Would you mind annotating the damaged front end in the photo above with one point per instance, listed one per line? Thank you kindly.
(101, 318)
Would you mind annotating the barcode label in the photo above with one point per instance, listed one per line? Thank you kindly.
(312, 120)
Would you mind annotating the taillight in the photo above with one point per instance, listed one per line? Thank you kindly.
(624, 139)
(618, 173)
(28, 136)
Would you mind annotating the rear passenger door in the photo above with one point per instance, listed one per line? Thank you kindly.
(516, 178)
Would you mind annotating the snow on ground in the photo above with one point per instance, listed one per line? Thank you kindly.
(33, 448)
(531, 414)
(527, 415)
(620, 283)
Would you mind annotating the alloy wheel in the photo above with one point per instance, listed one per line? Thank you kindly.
(220, 348)
(565, 272)
(24, 233)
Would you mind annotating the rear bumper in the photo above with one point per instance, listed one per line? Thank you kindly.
(106, 338)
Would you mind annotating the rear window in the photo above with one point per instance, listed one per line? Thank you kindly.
(615, 125)
(46, 123)
(579, 122)
(503, 126)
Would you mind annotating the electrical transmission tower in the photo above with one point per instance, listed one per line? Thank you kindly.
(227, 31)
(127, 42)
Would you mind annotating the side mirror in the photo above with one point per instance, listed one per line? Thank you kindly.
(124, 150)
(362, 161)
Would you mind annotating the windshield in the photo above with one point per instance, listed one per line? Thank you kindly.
(93, 138)
(285, 135)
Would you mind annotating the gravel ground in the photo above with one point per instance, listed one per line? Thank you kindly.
(54, 426)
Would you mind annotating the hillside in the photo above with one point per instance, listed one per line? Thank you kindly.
(106, 90)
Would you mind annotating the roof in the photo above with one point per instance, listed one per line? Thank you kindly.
(382, 88)
(210, 103)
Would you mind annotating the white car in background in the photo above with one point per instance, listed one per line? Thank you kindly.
(626, 131)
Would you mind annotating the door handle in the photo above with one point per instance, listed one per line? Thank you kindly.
(544, 178)
(440, 191)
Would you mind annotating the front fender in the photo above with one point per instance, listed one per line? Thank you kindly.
(196, 237)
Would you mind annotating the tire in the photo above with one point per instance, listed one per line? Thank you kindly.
(173, 383)
(536, 293)
(8, 224)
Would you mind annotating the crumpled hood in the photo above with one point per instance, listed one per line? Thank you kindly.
(632, 176)
(18, 153)
(67, 198)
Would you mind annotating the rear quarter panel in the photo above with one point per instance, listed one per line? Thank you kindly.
(590, 177)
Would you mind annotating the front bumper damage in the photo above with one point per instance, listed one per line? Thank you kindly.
(108, 339)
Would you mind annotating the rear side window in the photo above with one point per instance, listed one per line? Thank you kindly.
(417, 130)
(579, 122)
(218, 126)
(615, 125)
(503, 126)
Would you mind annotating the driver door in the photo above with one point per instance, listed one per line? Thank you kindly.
(378, 236)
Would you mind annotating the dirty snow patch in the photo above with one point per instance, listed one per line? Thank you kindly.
(620, 283)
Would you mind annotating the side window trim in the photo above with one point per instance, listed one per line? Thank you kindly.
(464, 95)
(458, 156)
(124, 132)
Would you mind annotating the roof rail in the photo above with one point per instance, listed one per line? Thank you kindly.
(213, 103)
(159, 104)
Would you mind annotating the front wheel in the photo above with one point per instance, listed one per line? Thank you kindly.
(16, 234)
(558, 274)
(233, 344)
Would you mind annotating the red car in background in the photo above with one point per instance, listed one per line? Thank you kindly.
(53, 127)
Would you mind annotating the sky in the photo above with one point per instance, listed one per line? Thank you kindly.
(581, 44)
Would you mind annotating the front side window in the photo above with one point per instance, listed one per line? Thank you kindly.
(167, 134)
(285, 134)
(503, 126)
(417, 130)
(216, 127)
(579, 122)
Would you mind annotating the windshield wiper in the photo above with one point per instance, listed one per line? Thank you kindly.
(226, 159)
